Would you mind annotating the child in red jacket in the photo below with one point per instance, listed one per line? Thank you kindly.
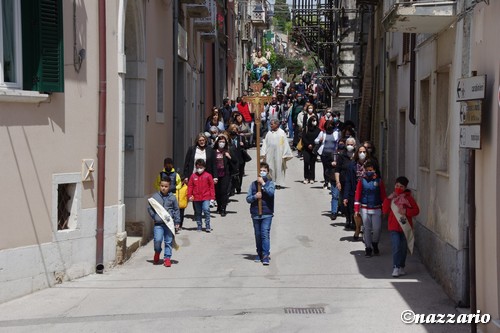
(201, 190)
(401, 207)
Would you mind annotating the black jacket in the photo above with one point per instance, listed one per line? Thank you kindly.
(189, 162)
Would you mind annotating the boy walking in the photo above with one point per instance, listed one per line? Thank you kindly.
(169, 171)
(164, 211)
(201, 190)
(401, 207)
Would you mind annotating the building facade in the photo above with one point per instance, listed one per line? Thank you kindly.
(421, 51)
(52, 94)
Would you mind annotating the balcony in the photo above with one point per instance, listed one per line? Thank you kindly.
(258, 15)
(197, 11)
(207, 24)
(428, 17)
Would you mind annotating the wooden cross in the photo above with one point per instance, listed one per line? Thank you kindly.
(257, 101)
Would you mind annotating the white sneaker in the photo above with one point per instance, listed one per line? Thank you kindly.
(395, 272)
(305, 181)
(402, 271)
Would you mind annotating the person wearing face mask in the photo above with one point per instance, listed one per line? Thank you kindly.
(276, 152)
(345, 154)
(201, 190)
(401, 207)
(226, 164)
(355, 172)
(262, 220)
(212, 135)
(238, 147)
(200, 150)
(371, 154)
(297, 112)
(328, 141)
(309, 134)
(368, 199)
(324, 118)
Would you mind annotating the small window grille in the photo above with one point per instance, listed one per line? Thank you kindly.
(63, 206)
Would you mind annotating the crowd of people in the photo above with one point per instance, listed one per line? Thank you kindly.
(293, 121)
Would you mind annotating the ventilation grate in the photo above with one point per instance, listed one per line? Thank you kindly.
(305, 310)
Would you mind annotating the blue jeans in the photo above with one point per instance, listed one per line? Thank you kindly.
(399, 249)
(199, 207)
(262, 228)
(162, 233)
(290, 126)
(335, 198)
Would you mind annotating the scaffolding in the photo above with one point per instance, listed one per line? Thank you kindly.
(334, 34)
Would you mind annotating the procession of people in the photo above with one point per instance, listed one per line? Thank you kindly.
(295, 119)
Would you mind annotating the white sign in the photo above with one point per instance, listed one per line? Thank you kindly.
(470, 112)
(470, 136)
(469, 88)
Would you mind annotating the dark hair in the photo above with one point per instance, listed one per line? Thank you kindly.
(200, 162)
(168, 160)
(402, 180)
(368, 164)
(164, 177)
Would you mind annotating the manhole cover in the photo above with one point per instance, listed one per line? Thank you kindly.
(304, 310)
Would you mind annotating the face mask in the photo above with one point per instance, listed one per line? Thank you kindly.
(398, 190)
(335, 119)
(200, 170)
(314, 123)
(310, 110)
(222, 144)
(341, 146)
(350, 148)
(362, 156)
(328, 116)
(369, 174)
(263, 174)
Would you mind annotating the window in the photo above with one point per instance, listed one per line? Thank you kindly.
(31, 45)
(10, 42)
(160, 114)
(66, 201)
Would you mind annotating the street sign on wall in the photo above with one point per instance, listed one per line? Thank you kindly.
(469, 88)
(470, 136)
(470, 112)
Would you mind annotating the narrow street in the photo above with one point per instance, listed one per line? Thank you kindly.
(214, 284)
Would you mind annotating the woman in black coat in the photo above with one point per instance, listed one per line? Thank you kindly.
(202, 150)
(226, 164)
(311, 131)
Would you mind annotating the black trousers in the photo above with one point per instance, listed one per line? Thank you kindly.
(309, 164)
(222, 192)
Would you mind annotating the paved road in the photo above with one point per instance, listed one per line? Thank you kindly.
(215, 286)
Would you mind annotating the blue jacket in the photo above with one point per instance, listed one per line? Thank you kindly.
(267, 198)
(169, 202)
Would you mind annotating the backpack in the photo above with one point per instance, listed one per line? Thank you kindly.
(181, 196)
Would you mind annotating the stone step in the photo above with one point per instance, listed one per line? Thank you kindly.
(133, 244)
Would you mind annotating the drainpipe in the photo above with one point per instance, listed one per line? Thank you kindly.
(101, 139)
(176, 147)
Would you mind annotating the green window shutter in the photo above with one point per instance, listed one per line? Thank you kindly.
(43, 61)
